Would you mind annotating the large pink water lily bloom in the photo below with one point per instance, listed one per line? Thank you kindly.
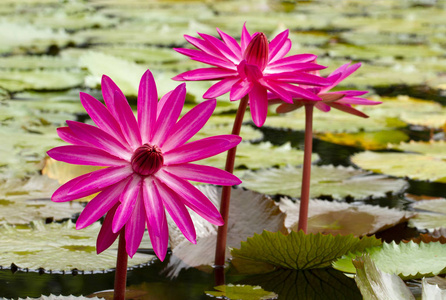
(341, 100)
(252, 68)
(148, 163)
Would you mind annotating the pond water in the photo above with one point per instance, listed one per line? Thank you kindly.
(65, 46)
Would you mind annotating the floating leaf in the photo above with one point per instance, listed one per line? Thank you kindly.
(140, 53)
(263, 155)
(375, 284)
(433, 288)
(60, 297)
(300, 251)
(407, 260)
(248, 133)
(431, 214)
(415, 166)
(375, 140)
(317, 284)
(242, 292)
(58, 247)
(15, 81)
(329, 217)
(336, 182)
(22, 62)
(431, 148)
(250, 213)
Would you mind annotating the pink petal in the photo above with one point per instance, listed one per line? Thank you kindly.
(67, 135)
(357, 100)
(205, 46)
(169, 115)
(228, 54)
(128, 201)
(348, 109)
(101, 116)
(161, 103)
(108, 91)
(153, 206)
(287, 107)
(293, 67)
(322, 106)
(293, 59)
(204, 174)
(240, 89)
(232, 44)
(106, 236)
(190, 124)
(192, 197)
(98, 180)
(300, 78)
(98, 138)
(245, 38)
(205, 74)
(201, 149)
(330, 97)
(258, 104)
(177, 211)
(277, 47)
(147, 106)
(61, 194)
(302, 93)
(100, 204)
(160, 242)
(277, 89)
(127, 121)
(134, 229)
(220, 88)
(84, 155)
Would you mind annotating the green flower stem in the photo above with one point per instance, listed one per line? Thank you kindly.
(121, 268)
(226, 192)
(306, 170)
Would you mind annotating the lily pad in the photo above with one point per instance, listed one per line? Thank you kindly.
(328, 217)
(431, 214)
(242, 292)
(375, 284)
(22, 62)
(249, 213)
(58, 247)
(300, 251)
(407, 260)
(60, 297)
(335, 182)
(428, 167)
(263, 155)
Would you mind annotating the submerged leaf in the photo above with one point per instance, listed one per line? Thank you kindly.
(377, 285)
(329, 217)
(407, 260)
(300, 251)
(242, 292)
(336, 182)
(58, 247)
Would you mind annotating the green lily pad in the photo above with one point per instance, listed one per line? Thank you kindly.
(375, 284)
(242, 292)
(375, 140)
(247, 132)
(58, 247)
(249, 212)
(300, 251)
(55, 297)
(432, 148)
(336, 182)
(15, 81)
(141, 54)
(333, 121)
(415, 166)
(329, 217)
(431, 214)
(407, 260)
(316, 284)
(255, 156)
(22, 62)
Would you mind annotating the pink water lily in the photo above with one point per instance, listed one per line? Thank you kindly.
(252, 68)
(147, 165)
(341, 100)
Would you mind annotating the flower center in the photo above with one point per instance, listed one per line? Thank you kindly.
(147, 160)
(257, 51)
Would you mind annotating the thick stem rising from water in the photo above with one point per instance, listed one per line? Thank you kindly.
(306, 170)
(226, 192)
(121, 268)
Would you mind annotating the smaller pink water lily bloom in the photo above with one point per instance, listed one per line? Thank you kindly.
(252, 68)
(341, 100)
(148, 165)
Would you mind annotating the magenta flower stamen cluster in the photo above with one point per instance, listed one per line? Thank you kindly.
(148, 165)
